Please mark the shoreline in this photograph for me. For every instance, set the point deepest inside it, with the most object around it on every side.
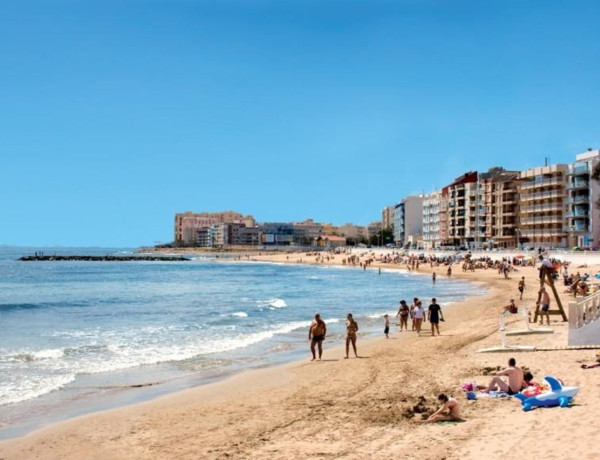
(272, 411)
(92, 393)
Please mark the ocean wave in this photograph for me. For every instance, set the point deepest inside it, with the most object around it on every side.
(24, 389)
(240, 314)
(272, 304)
(19, 306)
(34, 306)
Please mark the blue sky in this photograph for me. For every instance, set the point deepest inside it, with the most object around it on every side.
(117, 114)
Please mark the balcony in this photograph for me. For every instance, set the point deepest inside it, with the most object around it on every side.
(542, 220)
(542, 183)
(542, 208)
(580, 170)
(577, 213)
(577, 226)
(579, 199)
(578, 184)
(543, 233)
(543, 195)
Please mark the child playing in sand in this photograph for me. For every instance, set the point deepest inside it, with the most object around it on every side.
(449, 412)
(386, 329)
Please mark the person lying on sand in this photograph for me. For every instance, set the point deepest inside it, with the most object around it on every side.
(449, 412)
(592, 365)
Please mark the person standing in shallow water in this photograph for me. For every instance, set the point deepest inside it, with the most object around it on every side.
(351, 329)
(316, 335)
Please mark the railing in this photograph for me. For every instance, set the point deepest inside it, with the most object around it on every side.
(581, 169)
(579, 199)
(543, 220)
(578, 184)
(539, 183)
(577, 214)
(542, 195)
(584, 311)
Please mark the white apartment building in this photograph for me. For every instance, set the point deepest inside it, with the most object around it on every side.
(408, 220)
(583, 216)
(431, 220)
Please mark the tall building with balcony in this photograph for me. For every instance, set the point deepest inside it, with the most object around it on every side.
(188, 223)
(387, 217)
(501, 202)
(305, 232)
(583, 217)
(431, 220)
(408, 220)
(543, 205)
(466, 211)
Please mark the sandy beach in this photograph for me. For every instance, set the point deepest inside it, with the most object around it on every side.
(358, 408)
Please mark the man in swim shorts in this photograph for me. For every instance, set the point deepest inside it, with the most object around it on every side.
(515, 379)
(316, 335)
(545, 305)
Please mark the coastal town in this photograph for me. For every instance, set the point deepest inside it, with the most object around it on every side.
(551, 206)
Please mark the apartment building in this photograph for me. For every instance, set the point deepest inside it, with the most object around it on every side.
(387, 217)
(583, 216)
(188, 223)
(466, 211)
(276, 233)
(305, 232)
(408, 220)
(373, 229)
(230, 234)
(501, 205)
(543, 205)
(431, 220)
(355, 232)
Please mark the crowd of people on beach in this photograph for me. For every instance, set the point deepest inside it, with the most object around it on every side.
(416, 312)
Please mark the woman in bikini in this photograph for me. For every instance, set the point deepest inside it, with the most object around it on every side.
(403, 312)
(351, 328)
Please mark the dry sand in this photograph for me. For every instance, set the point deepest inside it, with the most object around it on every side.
(357, 408)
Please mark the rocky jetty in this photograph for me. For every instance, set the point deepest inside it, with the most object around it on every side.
(106, 258)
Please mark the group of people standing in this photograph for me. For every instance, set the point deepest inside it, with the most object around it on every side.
(416, 312)
(318, 331)
(318, 328)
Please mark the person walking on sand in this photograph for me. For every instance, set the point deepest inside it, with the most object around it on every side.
(449, 412)
(403, 313)
(435, 314)
(419, 316)
(521, 287)
(316, 335)
(545, 305)
(515, 379)
(351, 329)
(412, 313)
(386, 326)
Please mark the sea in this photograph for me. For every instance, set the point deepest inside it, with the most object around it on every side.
(80, 337)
